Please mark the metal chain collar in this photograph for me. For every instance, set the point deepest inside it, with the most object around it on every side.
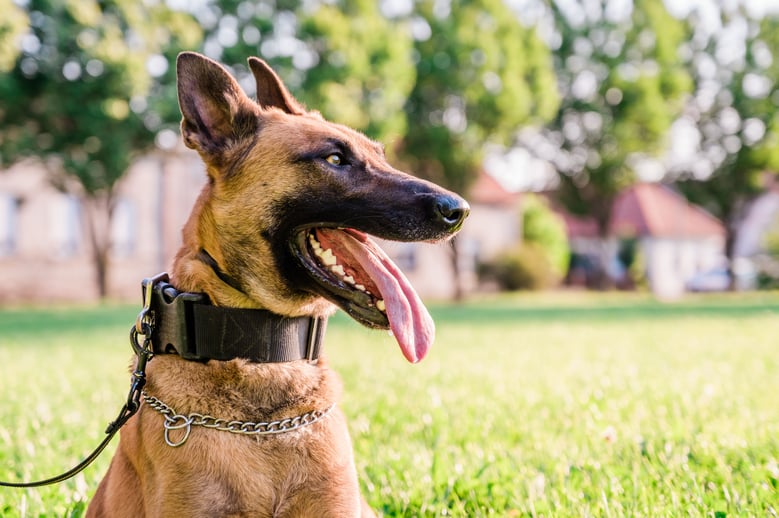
(177, 422)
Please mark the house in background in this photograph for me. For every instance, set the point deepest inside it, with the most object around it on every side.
(45, 246)
(761, 218)
(45, 250)
(676, 239)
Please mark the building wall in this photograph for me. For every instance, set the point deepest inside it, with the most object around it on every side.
(46, 255)
(672, 263)
(45, 252)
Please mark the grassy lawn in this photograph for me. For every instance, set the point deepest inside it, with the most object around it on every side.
(528, 405)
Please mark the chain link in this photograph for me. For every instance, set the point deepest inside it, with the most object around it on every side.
(175, 422)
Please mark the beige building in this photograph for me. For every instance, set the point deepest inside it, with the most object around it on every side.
(678, 240)
(45, 245)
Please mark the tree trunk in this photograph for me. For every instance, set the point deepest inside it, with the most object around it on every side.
(603, 280)
(98, 214)
(459, 294)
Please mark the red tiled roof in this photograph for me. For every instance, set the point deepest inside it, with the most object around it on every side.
(656, 210)
(488, 191)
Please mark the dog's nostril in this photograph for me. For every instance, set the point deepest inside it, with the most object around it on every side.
(452, 211)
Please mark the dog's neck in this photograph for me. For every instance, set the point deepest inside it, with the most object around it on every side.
(205, 257)
(196, 270)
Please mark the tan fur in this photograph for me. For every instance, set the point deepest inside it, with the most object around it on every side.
(249, 149)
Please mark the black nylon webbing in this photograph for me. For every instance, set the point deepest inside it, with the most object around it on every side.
(188, 325)
(227, 333)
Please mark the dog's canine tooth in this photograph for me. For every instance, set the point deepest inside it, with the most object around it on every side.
(380, 305)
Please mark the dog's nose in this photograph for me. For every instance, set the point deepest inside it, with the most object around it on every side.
(452, 211)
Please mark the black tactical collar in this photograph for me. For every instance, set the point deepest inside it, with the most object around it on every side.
(187, 324)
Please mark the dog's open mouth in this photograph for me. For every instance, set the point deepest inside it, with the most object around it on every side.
(354, 273)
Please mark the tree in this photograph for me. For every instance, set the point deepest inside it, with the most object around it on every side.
(732, 117)
(481, 75)
(622, 85)
(342, 58)
(77, 97)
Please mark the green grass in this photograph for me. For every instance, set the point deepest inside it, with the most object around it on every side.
(529, 405)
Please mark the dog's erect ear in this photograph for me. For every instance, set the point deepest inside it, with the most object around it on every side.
(271, 91)
(215, 109)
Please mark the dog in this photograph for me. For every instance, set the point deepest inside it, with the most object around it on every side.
(281, 226)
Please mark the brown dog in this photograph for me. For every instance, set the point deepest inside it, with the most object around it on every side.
(282, 226)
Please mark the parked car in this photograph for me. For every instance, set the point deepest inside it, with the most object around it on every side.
(717, 279)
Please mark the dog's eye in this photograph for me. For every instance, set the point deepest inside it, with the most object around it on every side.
(336, 159)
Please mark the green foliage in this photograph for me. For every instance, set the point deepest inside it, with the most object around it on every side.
(767, 263)
(365, 70)
(343, 58)
(76, 96)
(623, 85)
(13, 23)
(480, 75)
(632, 257)
(544, 228)
(541, 260)
(556, 404)
(736, 118)
(523, 267)
(771, 239)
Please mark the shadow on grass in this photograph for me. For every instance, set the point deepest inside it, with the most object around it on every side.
(66, 319)
(500, 309)
(646, 309)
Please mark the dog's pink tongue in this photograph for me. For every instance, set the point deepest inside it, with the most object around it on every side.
(409, 319)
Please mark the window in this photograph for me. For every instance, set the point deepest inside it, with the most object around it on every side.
(9, 208)
(123, 228)
(65, 226)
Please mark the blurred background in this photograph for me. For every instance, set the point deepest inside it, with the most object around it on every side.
(603, 144)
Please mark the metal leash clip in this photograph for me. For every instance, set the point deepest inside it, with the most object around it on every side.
(144, 326)
(146, 316)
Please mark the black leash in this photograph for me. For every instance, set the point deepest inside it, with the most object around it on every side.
(143, 351)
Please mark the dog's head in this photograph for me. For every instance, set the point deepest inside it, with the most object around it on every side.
(292, 198)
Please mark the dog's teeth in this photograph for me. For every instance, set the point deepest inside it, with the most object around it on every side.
(349, 279)
(360, 287)
(380, 305)
(338, 270)
(314, 243)
(328, 259)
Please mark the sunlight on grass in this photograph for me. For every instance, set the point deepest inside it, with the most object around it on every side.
(526, 406)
